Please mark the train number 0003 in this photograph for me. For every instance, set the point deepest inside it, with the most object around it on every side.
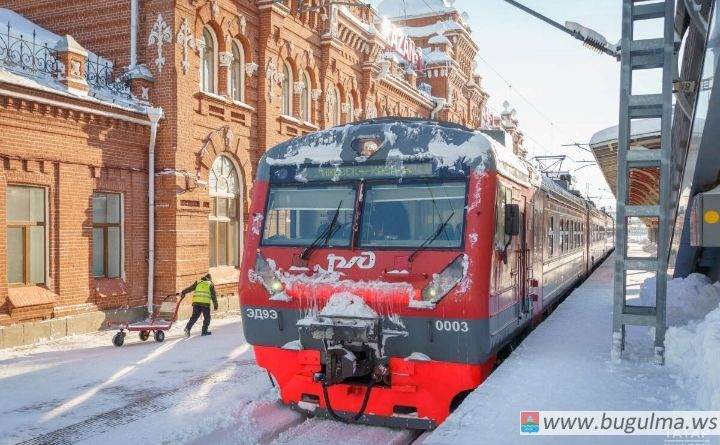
(262, 314)
(451, 326)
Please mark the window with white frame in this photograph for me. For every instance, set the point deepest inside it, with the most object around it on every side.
(107, 235)
(287, 82)
(305, 112)
(26, 235)
(209, 62)
(237, 72)
(225, 214)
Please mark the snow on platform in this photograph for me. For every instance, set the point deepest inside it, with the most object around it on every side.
(83, 390)
(565, 365)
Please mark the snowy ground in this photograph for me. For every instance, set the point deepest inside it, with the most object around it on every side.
(83, 390)
(565, 365)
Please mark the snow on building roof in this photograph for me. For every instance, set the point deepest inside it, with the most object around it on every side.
(22, 27)
(433, 56)
(51, 85)
(401, 9)
(436, 28)
(642, 128)
(34, 72)
(345, 11)
(395, 56)
(438, 39)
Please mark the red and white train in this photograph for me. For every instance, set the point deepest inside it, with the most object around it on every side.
(390, 262)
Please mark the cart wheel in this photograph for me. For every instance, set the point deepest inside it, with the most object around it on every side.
(118, 339)
(144, 335)
(159, 336)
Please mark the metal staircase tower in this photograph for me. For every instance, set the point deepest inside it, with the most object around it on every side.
(644, 54)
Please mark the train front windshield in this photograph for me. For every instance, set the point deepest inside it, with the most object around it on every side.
(413, 215)
(394, 215)
(297, 216)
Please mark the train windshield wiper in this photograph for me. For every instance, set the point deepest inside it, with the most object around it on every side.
(325, 235)
(432, 237)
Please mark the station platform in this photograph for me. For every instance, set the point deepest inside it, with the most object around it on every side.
(565, 365)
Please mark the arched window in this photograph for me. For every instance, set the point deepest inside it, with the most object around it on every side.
(237, 73)
(287, 82)
(209, 57)
(225, 214)
(305, 111)
(371, 111)
(351, 108)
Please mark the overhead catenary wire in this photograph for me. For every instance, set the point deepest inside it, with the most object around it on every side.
(510, 86)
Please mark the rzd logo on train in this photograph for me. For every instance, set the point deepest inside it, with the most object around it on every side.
(366, 260)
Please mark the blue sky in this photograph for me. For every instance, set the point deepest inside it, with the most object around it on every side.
(572, 91)
(562, 91)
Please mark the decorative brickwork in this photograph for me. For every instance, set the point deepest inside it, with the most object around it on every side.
(298, 70)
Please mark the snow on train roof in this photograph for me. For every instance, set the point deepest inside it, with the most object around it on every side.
(403, 140)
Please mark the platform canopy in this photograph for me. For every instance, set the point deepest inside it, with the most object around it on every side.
(644, 181)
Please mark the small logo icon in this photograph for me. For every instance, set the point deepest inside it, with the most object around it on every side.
(529, 421)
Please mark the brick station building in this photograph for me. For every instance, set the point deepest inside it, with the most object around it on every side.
(233, 78)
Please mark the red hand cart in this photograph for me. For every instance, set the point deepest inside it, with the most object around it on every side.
(162, 319)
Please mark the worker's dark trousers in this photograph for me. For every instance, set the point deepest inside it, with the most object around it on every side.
(197, 309)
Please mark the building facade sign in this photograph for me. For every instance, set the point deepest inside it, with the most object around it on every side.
(399, 42)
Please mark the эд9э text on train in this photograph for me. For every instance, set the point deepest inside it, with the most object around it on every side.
(389, 263)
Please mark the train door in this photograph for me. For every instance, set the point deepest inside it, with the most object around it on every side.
(505, 266)
(524, 266)
(536, 255)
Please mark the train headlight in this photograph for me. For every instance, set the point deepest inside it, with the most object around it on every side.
(267, 276)
(276, 286)
(431, 291)
(443, 282)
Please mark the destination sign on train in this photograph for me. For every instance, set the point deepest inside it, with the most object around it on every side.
(367, 171)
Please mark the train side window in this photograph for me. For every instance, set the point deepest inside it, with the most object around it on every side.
(578, 235)
(568, 239)
(551, 237)
(574, 235)
(562, 235)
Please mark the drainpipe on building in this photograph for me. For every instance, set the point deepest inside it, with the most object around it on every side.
(439, 105)
(154, 114)
(133, 32)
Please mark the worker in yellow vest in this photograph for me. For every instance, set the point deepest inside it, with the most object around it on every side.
(203, 294)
